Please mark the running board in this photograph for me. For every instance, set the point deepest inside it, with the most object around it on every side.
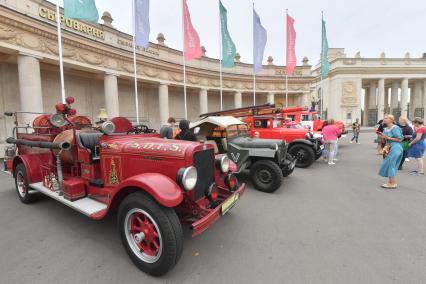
(86, 206)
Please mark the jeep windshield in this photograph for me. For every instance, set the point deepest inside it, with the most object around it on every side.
(237, 130)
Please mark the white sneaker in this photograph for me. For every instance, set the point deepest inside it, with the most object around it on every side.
(407, 160)
(358, 143)
(331, 163)
(351, 142)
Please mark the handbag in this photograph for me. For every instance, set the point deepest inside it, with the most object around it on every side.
(386, 150)
(405, 145)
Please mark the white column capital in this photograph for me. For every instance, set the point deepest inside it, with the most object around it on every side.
(30, 55)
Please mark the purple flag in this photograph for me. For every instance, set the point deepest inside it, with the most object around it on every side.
(259, 42)
(142, 27)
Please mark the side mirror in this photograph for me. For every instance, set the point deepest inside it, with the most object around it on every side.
(7, 113)
(197, 130)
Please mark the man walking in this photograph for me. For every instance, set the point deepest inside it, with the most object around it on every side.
(356, 128)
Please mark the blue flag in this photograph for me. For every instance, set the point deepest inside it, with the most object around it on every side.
(142, 26)
(82, 10)
(325, 66)
(259, 42)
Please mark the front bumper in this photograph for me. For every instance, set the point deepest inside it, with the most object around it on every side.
(202, 224)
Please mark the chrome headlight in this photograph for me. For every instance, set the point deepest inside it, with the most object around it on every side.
(223, 164)
(187, 177)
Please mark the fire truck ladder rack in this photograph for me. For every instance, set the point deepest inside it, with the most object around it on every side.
(246, 111)
(86, 206)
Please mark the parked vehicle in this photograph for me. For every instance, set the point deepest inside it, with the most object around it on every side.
(267, 159)
(156, 184)
(302, 144)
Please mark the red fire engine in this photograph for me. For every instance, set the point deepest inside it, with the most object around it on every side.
(155, 184)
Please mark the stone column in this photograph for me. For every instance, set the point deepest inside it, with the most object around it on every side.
(381, 99)
(238, 100)
(30, 87)
(203, 101)
(394, 95)
(372, 95)
(111, 95)
(163, 99)
(416, 98)
(424, 100)
(387, 91)
(305, 100)
(271, 98)
(404, 97)
(366, 101)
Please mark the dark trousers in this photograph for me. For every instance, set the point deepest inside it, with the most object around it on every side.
(404, 156)
(356, 136)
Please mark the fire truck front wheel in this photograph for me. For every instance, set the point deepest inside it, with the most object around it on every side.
(21, 183)
(151, 234)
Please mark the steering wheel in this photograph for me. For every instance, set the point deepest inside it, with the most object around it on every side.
(138, 129)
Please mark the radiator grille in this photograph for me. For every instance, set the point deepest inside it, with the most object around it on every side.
(204, 163)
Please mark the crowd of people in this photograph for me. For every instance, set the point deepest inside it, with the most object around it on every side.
(167, 131)
(398, 142)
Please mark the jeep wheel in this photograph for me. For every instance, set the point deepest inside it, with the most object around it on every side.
(151, 234)
(21, 183)
(287, 169)
(266, 176)
(303, 154)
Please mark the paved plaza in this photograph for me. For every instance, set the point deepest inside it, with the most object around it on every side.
(326, 225)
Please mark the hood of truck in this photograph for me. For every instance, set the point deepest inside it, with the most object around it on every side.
(247, 142)
(138, 144)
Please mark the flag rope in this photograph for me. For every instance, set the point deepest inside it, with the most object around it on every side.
(134, 63)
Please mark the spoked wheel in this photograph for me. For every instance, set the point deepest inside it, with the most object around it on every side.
(266, 176)
(21, 183)
(151, 234)
(143, 235)
(303, 154)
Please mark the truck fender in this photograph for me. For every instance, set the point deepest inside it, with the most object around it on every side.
(32, 164)
(162, 188)
(300, 141)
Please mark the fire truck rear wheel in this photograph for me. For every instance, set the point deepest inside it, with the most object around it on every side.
(151, 234)
(21, 183)
(303, 154)
(266, 176)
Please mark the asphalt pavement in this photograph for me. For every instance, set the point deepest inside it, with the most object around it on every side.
(327, 224)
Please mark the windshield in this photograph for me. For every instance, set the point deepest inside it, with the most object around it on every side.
(296, 126)
(237, 130)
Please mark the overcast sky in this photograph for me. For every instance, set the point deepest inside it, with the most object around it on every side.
(368, 26)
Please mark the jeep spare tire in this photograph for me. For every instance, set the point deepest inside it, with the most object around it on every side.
(266, 176)
(151, 234)
(287, 169)
(303, 154)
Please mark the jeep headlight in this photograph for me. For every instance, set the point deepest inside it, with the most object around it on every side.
(187, 177)
(223, 163)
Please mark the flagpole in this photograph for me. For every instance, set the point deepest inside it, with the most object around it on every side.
(221, 58)
(322, 58)
(61, 60)
(184, 63)
(134, 63)
(254, 72)
(286, 75)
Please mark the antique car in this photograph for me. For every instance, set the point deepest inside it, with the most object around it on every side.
(308, 118)
(267, 159)
(302, 144)
(157, 185)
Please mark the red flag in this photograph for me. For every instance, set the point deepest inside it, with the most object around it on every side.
(192, 48)
(291, 46)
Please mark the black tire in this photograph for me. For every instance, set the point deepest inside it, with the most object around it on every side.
(21, 178)
(286, 171)
(303, 154)
(266, 176)
(170, 234)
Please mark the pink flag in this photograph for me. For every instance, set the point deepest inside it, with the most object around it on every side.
(291, 46)
(192, 48)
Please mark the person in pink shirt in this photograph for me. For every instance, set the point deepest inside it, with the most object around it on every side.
(331, 135)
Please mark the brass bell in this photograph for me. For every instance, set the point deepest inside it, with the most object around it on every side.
(103, 115)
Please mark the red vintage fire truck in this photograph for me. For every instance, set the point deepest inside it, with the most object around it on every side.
(156, 184)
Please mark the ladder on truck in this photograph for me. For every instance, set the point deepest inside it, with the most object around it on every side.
(246, 111)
